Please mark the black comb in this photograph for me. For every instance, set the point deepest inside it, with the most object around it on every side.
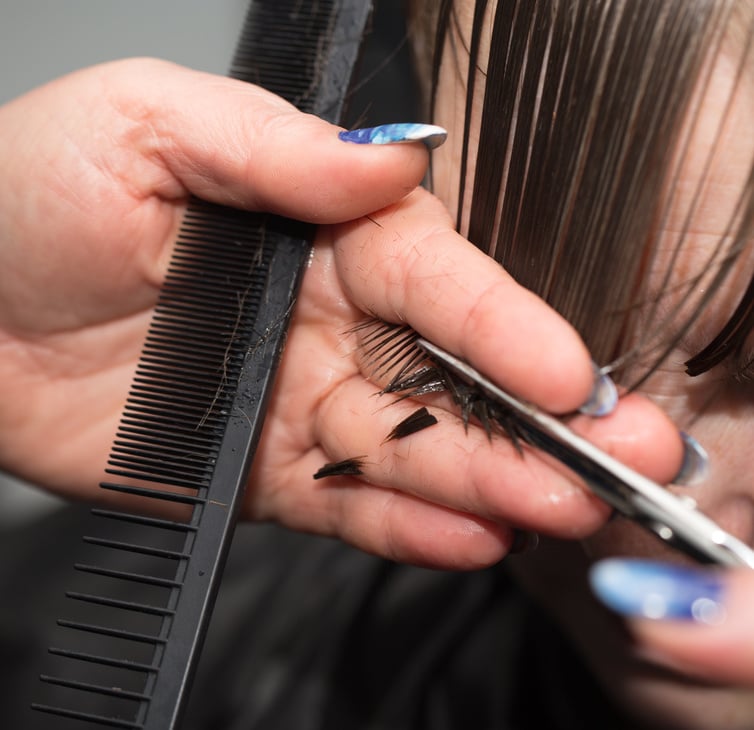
(196, 407)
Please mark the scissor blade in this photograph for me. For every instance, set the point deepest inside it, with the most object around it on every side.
(638, 498)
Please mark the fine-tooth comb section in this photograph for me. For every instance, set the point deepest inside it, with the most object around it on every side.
(142, 595)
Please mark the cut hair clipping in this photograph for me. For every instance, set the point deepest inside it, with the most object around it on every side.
(417, 421)
(392, 352)
(352, 467)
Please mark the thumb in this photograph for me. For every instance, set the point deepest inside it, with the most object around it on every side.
(234, 143)
(697, 621)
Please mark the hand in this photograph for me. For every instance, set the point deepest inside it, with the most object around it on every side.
(693, 621)
(97, 170)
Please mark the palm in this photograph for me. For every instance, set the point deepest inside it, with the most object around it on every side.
(86, 274)
(81, 267)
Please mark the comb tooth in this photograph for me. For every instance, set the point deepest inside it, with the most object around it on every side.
(176, 391)
(181, 346)
(143, 520)
(118, 603)
(137, 403)
(104, 661)
(184, 465)
(189, 264)
(137, 431)
(202, 434)
(196, 433)
(204, 367)
(199, 475)
(186, 349)
(95, 688)
(222, 331)
(149, 430)
(186, 462)
(196, 415)
(216, 261)
(133, 548)
(88, 717)
(205, 297)
(155, 493)
(177, 333)
(176, 415)
(176, 322)
(231, 270)
(154, 375)
(210, 277)
(108, 631)
(189, 309)
(169, 454)
(127, 576)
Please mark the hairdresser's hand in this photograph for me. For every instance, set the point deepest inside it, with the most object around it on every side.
(691, 620)
(96, 171)
(441, 496)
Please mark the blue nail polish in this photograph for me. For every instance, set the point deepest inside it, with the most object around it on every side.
(695, 466)
(645, 589)
(604, 396)
(431, 135)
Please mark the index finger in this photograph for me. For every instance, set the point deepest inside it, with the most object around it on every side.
(407, 264)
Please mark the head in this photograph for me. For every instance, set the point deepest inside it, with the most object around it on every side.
(602, 151)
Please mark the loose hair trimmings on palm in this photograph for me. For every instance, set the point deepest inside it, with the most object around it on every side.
(392, 352)
(395, 351)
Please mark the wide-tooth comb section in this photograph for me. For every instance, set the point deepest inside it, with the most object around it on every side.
(88, 717)
(193, 415)
(89, 687)
(125, 575)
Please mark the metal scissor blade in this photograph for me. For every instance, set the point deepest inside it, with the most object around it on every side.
(675, 520)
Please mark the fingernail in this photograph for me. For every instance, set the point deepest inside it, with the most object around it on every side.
(695, 466)
(645, 589)
(431, 135)
(604, 396)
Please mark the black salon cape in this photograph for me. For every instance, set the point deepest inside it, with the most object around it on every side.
(309, 634)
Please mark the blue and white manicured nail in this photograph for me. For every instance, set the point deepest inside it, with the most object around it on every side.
(650, 590)
(695, 466)
(431, 135)
(604, 396)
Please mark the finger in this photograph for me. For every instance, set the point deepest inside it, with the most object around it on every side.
(389, 523)
(694, 621)
(407, 264)
(467, 472)
(234, 143)
(639, 434)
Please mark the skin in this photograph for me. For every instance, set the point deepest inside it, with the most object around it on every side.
(667, 674)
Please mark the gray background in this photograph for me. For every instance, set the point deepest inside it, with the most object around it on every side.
(42, 39)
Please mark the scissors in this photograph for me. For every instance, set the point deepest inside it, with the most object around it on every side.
(676, 520)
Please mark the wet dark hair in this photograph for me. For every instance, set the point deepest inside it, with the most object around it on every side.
(585, 114)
